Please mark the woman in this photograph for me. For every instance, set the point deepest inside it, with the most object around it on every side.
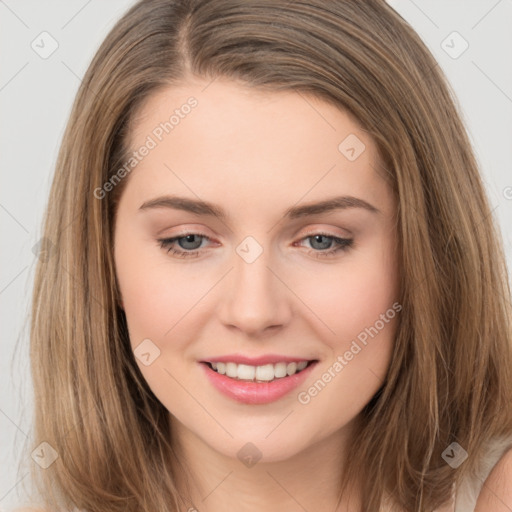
(338, 334)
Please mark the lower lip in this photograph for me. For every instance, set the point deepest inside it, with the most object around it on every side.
(254, 393)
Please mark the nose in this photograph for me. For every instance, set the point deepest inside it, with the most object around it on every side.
(255, 298)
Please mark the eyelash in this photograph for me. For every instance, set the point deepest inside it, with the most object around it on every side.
(342, 244)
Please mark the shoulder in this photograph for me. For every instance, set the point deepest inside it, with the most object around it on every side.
(496, 492)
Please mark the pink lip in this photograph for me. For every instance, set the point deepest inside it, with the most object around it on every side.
(254, 393)
(254, 361)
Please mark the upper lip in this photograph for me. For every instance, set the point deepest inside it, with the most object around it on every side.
(255, 361)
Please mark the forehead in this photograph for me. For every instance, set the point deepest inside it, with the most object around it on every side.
(222, 139)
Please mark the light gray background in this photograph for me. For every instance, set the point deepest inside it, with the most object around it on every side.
(36, 96)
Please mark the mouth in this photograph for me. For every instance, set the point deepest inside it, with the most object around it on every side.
(255, 385)
(262, 373)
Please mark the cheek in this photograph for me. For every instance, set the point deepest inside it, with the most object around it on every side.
(357, 300)
(350, 296)
(156, 295)
(361, 308)
(157, 300)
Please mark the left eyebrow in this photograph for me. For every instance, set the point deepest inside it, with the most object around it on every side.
(200, 207)
(328, 205)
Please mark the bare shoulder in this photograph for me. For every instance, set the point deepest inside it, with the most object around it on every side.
(496, 493)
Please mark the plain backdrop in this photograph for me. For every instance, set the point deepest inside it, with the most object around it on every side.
(471, 40)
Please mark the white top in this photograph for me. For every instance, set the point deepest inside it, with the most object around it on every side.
(468, 491)
(466, 495)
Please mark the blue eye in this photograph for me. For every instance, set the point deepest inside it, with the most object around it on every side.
(187, 245)
(334, 244)
(169, 244)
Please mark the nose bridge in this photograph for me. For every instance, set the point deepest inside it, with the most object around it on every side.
(256, 298)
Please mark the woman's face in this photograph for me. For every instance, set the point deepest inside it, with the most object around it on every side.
(283, 252)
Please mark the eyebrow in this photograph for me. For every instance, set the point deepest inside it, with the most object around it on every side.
(200, 207)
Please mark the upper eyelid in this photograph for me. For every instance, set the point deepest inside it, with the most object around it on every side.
(309, 234)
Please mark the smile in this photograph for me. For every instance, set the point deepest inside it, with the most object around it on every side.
(264, 373)
(255, 385)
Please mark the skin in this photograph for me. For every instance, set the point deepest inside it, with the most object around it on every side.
(256, 154)
(496, 493)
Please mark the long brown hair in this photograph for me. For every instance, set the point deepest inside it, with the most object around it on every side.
(450, 375)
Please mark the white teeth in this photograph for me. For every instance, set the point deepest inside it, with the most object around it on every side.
(245, 372)
(280, 370)
(231, 369)
(264, 373)
(291, 368)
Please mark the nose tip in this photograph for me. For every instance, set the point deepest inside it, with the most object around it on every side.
(254, 299)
